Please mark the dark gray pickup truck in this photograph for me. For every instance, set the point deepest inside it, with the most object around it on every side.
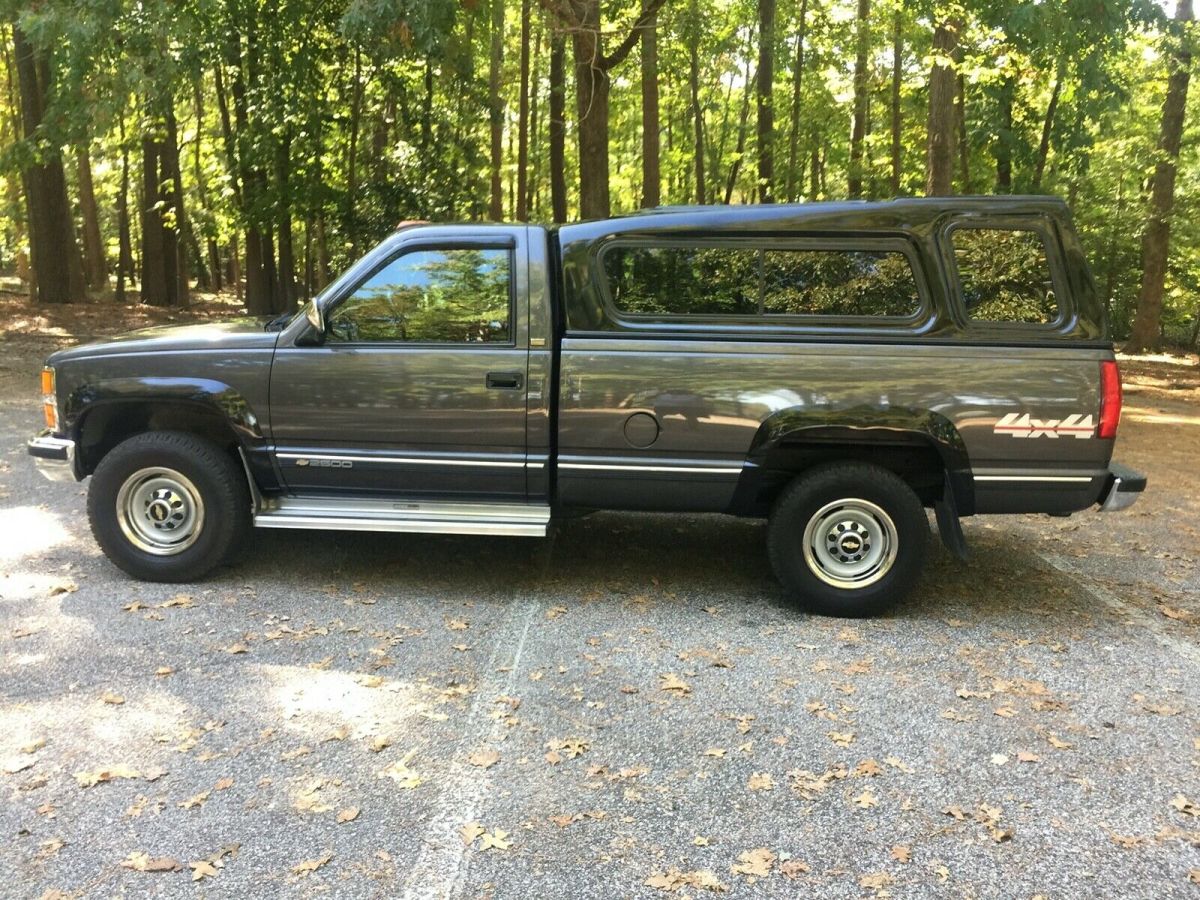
(836, 368)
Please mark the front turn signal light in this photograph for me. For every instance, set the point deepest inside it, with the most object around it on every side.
(49, 399)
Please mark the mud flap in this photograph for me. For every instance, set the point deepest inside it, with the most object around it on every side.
(949, 526)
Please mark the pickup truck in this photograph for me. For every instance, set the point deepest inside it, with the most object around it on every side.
(838, 369)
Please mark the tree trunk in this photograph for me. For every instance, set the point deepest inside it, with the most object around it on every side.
(764, 96)
(523, 121)
(558, 176)
(897, 73)
(95, 267)
(731, 181)
(1004, 139)
(124, 239)
(173, 178)
(960, 129)
(795, 177)
(351, 176)
(939, 165)
(1156, 240)
(1047, 129)
(496, 109)
(591, 96)
(859, 130)
(153, 278)
(535, 135)
(697, 109)
(56, 267)
(651, 174)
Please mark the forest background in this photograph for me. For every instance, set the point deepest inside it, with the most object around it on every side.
(152, 150)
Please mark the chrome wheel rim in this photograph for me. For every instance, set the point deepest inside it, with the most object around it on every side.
(850, 543)
(160, 511)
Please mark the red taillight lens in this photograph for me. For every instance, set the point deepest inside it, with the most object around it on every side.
(1110, 399)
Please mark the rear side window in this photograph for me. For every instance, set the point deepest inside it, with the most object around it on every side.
(1004, 275)
(748, 282)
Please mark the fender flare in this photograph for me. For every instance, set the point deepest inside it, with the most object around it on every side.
(888, 426)
(212, 395)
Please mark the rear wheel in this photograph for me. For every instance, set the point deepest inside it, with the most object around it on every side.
(168, 506)
(848, 539)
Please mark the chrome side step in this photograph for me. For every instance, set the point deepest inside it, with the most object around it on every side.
(518, 519)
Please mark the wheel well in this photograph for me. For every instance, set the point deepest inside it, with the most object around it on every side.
(919, 464)
(109, 424)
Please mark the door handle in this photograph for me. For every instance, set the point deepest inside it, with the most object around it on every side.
(509, 380)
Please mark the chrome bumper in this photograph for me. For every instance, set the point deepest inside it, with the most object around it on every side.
(54, 456)
(1123, 488)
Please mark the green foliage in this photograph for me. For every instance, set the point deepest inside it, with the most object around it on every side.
(333, 120)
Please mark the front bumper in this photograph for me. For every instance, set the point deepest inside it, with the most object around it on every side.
(55, 456)
(1123, 488)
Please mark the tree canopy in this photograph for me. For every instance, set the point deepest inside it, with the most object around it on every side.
(259, 147)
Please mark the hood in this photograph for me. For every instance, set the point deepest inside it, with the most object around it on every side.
(242, 333)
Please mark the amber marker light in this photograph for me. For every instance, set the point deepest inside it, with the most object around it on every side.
(49, 399)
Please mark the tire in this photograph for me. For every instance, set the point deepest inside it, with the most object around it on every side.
(168, 506)
(848, 539)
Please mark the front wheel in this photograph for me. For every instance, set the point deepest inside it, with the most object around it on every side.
(168, 506)
(848, 539)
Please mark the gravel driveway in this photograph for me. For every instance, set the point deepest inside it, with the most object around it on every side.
(626, 709)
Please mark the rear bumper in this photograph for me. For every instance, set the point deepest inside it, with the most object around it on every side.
(1123, 488)
(54, 456)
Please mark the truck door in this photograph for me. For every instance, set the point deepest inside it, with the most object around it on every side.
(419, 386)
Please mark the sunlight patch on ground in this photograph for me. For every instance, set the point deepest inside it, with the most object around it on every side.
(26, 530)
(1157, 417)
(318, 701)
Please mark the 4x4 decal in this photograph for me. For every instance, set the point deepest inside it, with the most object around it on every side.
(1022, 425)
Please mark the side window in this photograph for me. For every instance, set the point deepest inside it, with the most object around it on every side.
(839, 283)
(431, 296)
(748, 282)
(1004, 275)
(683, 281)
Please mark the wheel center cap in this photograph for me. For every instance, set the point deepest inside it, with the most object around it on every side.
(159, 510)
(850, 543)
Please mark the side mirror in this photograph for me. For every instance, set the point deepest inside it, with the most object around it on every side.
(315, 318)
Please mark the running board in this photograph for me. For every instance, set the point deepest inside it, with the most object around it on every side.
(517, 519)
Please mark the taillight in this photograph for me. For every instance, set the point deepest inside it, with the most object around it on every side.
(49, 399)
(1110, 399)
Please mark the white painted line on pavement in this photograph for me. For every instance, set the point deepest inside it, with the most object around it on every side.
(441, 866)
(1183, 647)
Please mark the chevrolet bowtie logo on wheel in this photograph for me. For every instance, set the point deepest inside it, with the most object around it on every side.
(1022, 425)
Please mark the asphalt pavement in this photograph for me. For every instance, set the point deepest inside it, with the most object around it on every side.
(628, 708)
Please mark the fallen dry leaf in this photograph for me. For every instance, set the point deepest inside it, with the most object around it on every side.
(669, 681)
(755, 862)
(484, 759)
(193, 802)
(18, 764)
(1059, 743)
(876, 881)
(844, 738)
(1185, 806)
(112, 699)
(34, 746)
(379, 744)
(457, 625)
(311, 865)
(470, 831)
(237, 648)
(1026, 757)
(494, 840)
(349, 814)
(88, 779)
(202, 869)
(794, 868)
(866, 800)
(400, 773)
(144, 862)
(675, 880)
(760, 781)
(901, 854)
(164, 671)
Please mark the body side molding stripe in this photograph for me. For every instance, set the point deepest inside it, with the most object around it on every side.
(407, 460)
(1074, 479)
